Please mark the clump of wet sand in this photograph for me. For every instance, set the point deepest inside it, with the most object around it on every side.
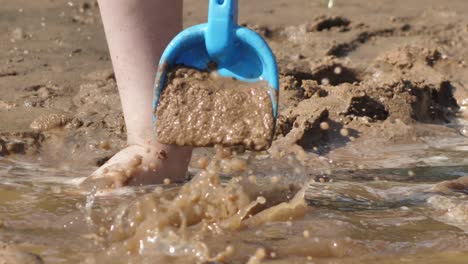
(398, 100)
(200, 109)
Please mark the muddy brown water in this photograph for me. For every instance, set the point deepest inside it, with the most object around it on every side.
(389, 216)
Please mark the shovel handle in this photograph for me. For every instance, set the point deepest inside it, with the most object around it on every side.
(221, 31)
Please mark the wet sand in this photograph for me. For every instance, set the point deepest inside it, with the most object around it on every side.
(372, 109)
(378, 79)
(201, 109)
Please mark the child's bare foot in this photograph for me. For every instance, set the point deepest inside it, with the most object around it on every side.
(138, 165)
(136, 41)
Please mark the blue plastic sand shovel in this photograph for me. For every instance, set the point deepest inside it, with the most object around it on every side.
(238, 52)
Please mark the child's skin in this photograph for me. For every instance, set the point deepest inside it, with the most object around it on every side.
(137, 32)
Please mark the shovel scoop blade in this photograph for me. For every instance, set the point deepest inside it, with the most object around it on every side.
(223, 46)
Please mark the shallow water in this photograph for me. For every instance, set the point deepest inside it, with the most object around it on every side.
(362, 216)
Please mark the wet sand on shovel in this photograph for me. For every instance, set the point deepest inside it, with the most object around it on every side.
(202, 109)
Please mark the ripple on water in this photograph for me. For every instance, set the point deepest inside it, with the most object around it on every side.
(367, 216)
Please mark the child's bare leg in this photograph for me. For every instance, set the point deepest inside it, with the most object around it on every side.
(137, 32)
